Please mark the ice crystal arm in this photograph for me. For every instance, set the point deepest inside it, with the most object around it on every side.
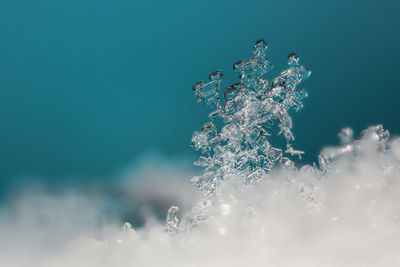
(208, 93)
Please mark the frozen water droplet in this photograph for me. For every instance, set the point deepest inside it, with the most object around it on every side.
(260, 45)
(216, 75)
(198, 86)
(293, 60)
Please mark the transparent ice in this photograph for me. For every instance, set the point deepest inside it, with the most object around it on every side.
(250, 109)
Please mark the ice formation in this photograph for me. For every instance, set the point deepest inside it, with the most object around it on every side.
(250, 109)
(350, 149)
(239, 156)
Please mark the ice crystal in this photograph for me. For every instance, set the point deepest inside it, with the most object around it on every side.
(172, 219)
(239, 154)
(374, 135)
(250, 109)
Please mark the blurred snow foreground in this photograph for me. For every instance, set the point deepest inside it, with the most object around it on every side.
(257, 208)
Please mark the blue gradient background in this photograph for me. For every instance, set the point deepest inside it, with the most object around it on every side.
(87, 87)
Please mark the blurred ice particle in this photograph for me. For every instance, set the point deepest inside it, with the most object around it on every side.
(172, 219)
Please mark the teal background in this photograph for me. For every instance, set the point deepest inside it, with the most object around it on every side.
(87, 87)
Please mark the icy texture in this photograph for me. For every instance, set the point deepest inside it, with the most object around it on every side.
(172, 219)
(373, 135)
(250, 110)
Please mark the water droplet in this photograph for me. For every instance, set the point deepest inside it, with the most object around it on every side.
(293, 60)
(198, 86)
(260, 45)
(216, 75)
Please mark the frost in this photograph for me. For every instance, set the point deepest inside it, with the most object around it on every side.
(250, 110)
